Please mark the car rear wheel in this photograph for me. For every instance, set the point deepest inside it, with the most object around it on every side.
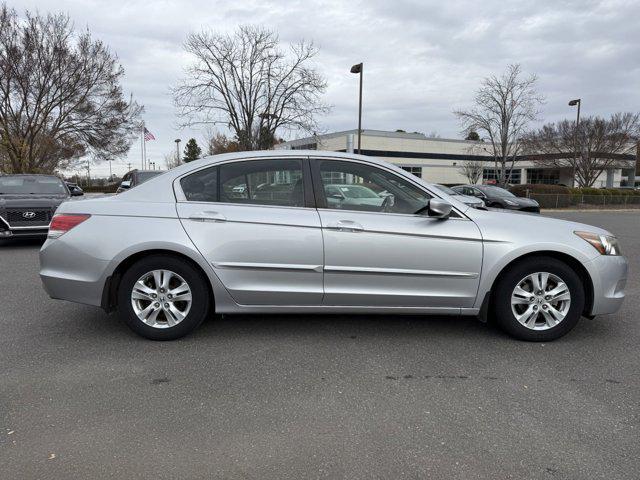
(539, 299)
(163, 298)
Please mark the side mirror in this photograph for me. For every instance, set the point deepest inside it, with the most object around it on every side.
(439, 208)
(125, 184)
(336, 196)
(76, 192)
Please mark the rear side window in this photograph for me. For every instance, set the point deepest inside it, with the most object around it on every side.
(201, 186)
(262, 182)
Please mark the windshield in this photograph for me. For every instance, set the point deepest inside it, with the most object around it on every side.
(496, 191)
(447, 190)
(144, 176)
(32, 185)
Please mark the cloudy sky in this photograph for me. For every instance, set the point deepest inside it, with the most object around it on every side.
(422, 58)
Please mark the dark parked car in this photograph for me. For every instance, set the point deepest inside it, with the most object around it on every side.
(496, 197)
(74, 189)
(28, 202)
(136, 177)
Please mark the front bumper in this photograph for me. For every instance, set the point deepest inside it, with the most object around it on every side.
(30, 233)
(8, 231)
(524, 208)
(609, 277)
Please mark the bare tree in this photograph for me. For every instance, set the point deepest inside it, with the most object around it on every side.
(246, 82)
(60, 95)
(472, 169)
(172, 160)
(590, 148)
(504, 107)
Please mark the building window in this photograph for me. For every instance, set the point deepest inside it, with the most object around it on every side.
(306, 146)
(490, 175)
(549, 176)
(417, 171)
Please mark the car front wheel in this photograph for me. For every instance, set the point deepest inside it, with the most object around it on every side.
(163, 297)
(539, 299)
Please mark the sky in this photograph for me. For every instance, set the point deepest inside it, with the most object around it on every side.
(422, 59)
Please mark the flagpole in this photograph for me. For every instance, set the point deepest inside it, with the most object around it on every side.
(142, 146)
(144, 149)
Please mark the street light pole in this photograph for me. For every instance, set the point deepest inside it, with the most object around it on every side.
(573, 103)
(177, 140)
(358, 69)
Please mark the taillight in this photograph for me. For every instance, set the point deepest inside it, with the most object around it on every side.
(63, 222)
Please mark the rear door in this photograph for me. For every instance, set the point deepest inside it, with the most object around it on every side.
(255, 223)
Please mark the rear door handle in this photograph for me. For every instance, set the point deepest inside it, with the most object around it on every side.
(208, 216)
(346, 226)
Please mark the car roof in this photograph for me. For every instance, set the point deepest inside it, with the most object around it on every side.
(214, 159)
(151, 187)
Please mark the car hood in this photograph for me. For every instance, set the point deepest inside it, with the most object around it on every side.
(468, 199)
(31, 201)
(507, 226)
(521, 201)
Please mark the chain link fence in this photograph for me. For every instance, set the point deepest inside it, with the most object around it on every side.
(577, 200)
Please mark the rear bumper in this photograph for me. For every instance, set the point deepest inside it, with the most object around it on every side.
(609, 277)
(72, 274)
(73, 290)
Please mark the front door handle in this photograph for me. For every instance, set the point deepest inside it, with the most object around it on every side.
(346, 226)
(208, 216)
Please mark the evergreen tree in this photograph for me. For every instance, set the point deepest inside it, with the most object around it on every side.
(191, 151)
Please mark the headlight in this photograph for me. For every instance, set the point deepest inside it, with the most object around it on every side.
(510, 202)
(605, 244)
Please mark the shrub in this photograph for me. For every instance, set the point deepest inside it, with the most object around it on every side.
(101, 189)
(533, 188)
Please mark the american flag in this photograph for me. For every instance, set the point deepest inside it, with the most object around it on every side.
(148, 135)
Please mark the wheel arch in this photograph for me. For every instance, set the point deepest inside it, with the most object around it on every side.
(110, 291)
(574, 263)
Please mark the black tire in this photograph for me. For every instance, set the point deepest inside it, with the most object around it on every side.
(199, 292)
(503, 289)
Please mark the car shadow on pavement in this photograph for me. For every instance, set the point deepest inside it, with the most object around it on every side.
(93, 321)
(337, 326)
(84, 323)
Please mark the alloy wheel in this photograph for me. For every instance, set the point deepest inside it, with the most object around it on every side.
(161, 298)
(540, 301)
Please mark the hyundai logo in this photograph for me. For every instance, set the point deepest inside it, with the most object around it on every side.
(29, 214)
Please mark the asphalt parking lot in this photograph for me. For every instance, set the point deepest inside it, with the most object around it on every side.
(314, 397)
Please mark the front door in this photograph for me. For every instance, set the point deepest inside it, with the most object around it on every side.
(379, 253)
(254, 222)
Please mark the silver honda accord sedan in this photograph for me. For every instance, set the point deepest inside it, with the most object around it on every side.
(258, 232)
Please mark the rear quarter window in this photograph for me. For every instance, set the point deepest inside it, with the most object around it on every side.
(201, 186)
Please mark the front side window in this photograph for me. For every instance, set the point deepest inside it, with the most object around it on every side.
(355, 186)
(262, 182)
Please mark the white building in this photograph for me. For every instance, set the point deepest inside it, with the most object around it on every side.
(438, 160)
